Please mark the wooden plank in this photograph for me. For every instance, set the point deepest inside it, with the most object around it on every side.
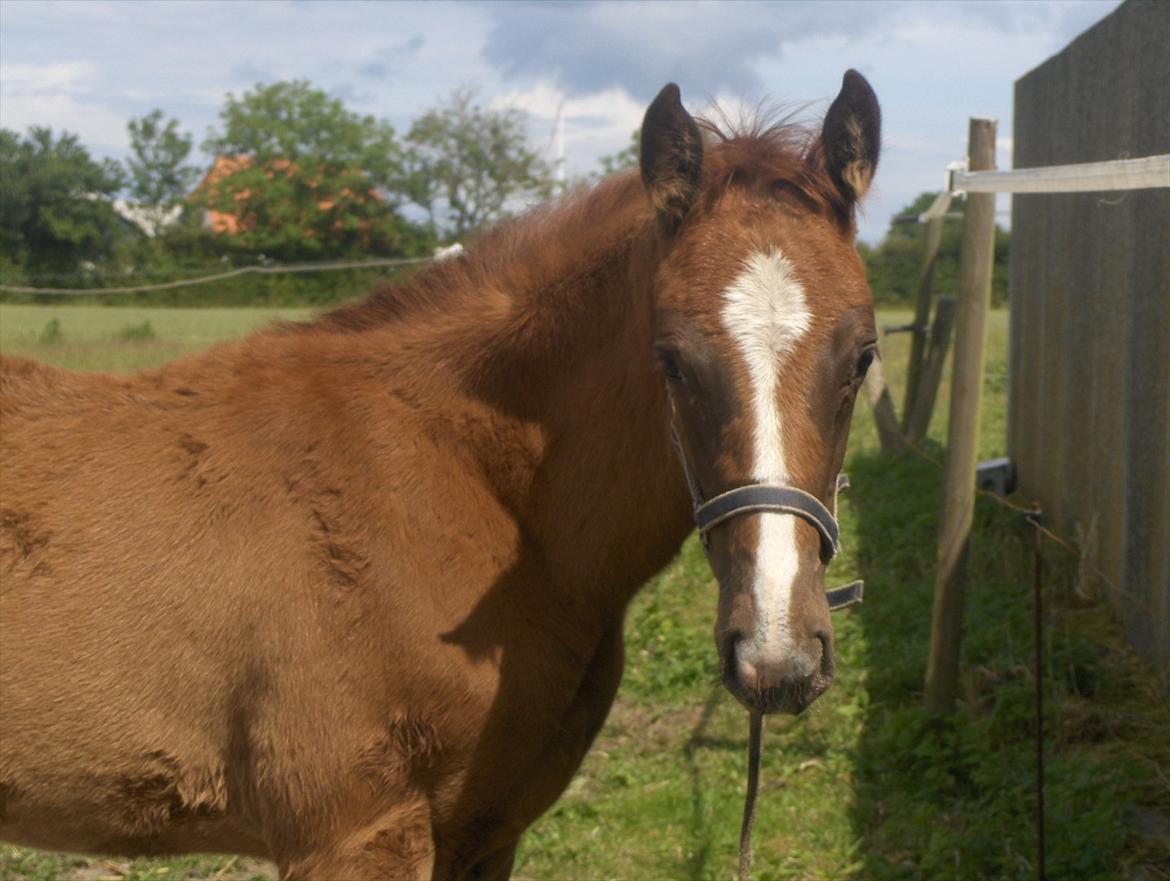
(975, 267)
(1089, 406)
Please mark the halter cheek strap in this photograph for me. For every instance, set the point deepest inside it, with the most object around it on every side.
(757, 497)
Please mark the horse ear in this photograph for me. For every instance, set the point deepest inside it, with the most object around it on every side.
(851, 137)
(672, 157)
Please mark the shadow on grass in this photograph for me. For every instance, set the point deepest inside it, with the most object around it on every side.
(954, 798)
(922, 801)
(698, 825)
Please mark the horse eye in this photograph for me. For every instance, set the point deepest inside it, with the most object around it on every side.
(669, 365)
(863, 365)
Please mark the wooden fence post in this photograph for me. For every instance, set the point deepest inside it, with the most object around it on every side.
(918, 419)
(975, 266)
(921, 319)
(883, 409)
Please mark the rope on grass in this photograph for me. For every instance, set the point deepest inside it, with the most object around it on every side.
(1038, 648)
(755, 750)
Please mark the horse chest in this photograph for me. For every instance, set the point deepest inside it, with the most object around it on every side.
(526, 770)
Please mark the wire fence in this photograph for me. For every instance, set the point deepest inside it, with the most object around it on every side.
(275, 269)
(1031, 510)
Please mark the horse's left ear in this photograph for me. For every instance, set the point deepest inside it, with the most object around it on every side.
(851, 137)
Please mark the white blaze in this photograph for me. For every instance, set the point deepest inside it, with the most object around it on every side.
(766, 314)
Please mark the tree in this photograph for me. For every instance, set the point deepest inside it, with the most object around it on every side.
(55, 210)
(158, 177)
(628, 157)
(302, 176)
(895, 264)
(467, 163)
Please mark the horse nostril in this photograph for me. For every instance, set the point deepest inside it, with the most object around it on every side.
(728, 650)
(826, 652)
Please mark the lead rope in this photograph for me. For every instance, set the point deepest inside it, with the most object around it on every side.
(755, 749)
(755, 720)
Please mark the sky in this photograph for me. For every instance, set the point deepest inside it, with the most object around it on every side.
(89, 67)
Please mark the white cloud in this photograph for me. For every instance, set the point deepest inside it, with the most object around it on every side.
(1003, 152)
(41, 79)
(97, 126)
(59, 95)
(89, 67)
(595, 124)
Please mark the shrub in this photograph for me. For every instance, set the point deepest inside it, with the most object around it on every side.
(51, 333)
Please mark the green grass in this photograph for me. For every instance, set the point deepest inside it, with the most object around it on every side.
(123, 338)
(862, 786)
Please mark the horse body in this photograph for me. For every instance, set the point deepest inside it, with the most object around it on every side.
(349, 595)
(263, 546)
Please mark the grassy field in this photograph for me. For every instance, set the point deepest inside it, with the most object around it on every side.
(863, 785)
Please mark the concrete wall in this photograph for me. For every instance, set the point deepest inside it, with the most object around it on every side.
(1089, 405)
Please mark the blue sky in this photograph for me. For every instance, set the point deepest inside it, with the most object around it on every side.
(88, 67)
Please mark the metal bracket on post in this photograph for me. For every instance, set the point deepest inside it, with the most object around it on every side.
(996, 476)
(962, 166)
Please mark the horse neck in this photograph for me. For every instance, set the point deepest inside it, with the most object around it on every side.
(599, 487)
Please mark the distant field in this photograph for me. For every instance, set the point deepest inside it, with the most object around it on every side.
(103, 337)
(863, 786)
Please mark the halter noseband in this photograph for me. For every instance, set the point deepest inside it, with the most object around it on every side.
(765, 497)
(756, 497)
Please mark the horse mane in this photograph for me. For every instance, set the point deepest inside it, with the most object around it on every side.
(763, 152)
(507, 256)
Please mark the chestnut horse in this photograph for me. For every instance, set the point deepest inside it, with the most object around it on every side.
(348, 595)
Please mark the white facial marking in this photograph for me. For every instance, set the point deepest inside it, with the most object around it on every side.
(766, 314)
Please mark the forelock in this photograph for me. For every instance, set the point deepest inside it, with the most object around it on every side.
(765, 150)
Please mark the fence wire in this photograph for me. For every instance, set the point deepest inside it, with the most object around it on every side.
(290, 268)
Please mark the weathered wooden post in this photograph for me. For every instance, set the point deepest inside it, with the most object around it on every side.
(975, 263)
(921, 318)
(918, 419)
(883, 409)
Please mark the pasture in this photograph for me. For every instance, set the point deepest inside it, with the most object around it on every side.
(864, 785)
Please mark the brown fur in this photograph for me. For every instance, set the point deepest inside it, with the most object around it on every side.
(349, 594)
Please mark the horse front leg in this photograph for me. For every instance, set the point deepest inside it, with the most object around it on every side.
(496, 866)
(397, 845)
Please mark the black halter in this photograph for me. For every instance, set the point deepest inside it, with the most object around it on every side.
(756, 497)
(782, 499)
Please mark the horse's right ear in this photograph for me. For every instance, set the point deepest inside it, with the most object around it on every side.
(672, 157)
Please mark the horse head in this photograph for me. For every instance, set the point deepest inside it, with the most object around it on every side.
(764, 330)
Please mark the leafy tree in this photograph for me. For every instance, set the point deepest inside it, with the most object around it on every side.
(302, 176)
(895, 264)
(627, 157)
(467, 163)
(55, 210)
(159, 177)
